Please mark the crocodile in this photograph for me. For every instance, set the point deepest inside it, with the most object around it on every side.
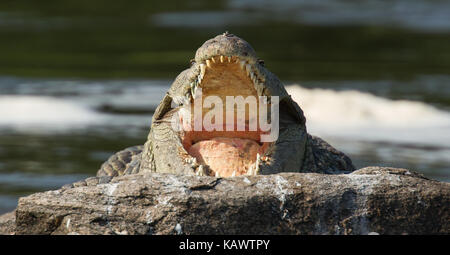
(225, 66)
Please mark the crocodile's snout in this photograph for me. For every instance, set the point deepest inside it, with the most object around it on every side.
(227, 45)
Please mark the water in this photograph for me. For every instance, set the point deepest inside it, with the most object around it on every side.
(79, 82)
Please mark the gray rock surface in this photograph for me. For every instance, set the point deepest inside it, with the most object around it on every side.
(370, 200)
(8, 223)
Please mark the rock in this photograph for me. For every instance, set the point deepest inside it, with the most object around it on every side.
(372, 200)
(8, 223)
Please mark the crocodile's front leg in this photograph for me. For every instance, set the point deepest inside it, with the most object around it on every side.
(126, 161)
(321, 157)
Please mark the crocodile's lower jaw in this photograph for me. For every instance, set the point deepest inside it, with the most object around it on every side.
(226, 153)
(227, 156)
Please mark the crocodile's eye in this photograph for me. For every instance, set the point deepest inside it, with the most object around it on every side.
(261, 62)
(191, 62)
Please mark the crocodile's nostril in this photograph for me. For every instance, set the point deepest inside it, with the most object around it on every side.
(227, 34)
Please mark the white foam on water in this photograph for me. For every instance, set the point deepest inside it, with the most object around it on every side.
(41, 112)
(351, 115)
(355, 115)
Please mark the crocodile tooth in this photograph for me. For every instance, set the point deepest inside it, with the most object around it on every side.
(229, 59)
(252, 76)
(233, 174)
(255, 81)
(200, 171)
(187, 98)
(261, 91)
(265, 100)
(242, 63)
(256, 85)
(202, 69)
(192, 88)
(217, 174)
(213, 59)
(250, 171)
(258, 160)
(222, 58)
(208, 63)
(248, 69)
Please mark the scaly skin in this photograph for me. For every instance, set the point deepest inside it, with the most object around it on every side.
(294, 150)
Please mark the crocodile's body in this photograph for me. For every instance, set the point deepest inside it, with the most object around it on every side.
(215, 69)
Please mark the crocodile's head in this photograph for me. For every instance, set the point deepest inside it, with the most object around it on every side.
(227, 66)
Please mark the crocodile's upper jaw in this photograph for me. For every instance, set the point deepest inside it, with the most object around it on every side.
(225, 153)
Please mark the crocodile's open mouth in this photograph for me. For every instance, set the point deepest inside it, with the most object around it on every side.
(229, 151)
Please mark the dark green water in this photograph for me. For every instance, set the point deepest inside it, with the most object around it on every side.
(100, 39)
(80, 50)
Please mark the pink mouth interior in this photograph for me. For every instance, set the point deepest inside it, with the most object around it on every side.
(227, 156)
(228, 153)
